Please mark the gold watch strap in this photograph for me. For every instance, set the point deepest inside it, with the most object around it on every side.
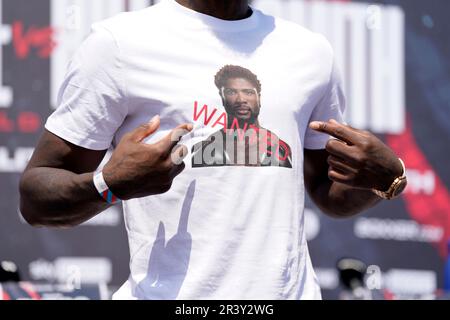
(389, 194)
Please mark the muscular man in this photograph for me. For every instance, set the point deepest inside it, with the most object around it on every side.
(242, 141)
(217, 232)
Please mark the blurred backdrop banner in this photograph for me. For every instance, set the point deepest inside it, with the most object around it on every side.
(394, 57)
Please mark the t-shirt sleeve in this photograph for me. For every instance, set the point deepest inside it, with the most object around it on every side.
(331, 106)
(91, 101)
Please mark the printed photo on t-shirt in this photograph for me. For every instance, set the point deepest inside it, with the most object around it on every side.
(242, 141)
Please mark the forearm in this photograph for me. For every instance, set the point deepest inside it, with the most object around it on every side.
(341, 201)
(58, 198)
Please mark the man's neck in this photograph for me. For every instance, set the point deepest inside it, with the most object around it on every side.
(221, 9)
(235, 123)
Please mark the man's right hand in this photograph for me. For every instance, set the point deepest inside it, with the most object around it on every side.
(137, 169)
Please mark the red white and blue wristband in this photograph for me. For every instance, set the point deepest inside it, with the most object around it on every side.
(103, 189)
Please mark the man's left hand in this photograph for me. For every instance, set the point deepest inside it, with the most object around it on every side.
(358, 158)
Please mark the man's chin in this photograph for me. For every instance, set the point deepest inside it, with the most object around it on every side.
(243, 118)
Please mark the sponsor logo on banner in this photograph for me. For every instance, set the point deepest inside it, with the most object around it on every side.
(397, 230)
(407, 283)
(411, 282)
(72, 271)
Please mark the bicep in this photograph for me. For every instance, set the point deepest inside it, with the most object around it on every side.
(55, 152)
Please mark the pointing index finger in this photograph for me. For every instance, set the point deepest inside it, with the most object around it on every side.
(172, 139)
(336, 130)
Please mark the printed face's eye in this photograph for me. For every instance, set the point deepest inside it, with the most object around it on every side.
(230, 92)
(249, 92)
(233, 92)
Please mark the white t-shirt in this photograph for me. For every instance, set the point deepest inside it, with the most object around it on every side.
(221, 232)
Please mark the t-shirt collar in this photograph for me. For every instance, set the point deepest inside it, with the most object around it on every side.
(201, 20)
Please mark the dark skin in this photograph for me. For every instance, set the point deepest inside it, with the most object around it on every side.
(57, 190)
(241, 102)
(225, 10)
(340, 178)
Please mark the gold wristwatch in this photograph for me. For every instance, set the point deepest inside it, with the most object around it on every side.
(396, 187)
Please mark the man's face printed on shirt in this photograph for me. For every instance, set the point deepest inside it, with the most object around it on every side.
(241, 100)
(242, 141)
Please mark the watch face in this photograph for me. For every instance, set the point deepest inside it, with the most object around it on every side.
(400, 188)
